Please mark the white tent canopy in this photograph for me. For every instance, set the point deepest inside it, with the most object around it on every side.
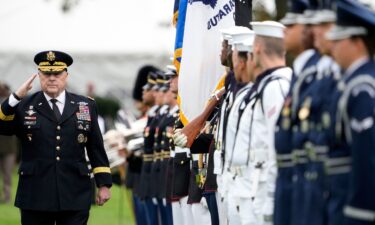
(108, 39)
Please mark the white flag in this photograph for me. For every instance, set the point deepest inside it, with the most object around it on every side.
(200, 68)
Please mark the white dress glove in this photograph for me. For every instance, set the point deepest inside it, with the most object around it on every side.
(179, 138)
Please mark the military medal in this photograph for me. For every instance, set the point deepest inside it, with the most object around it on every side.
(305, 111)
(286, 111)
(81, 138)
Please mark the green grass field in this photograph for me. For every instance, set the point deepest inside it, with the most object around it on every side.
(115, 212)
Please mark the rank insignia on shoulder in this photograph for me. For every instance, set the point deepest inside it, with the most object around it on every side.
(91, 98)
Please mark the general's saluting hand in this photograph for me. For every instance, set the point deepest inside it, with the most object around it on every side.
(25, 87)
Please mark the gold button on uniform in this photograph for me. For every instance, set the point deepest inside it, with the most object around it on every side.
(58, 148)
(57, 137)
(58, 158)
(58, 128)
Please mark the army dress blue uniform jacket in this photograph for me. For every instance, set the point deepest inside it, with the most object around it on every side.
(53, 173)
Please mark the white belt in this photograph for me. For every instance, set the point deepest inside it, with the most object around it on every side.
(238, 170)
(182, 150)
(195, 157)
(258, 155)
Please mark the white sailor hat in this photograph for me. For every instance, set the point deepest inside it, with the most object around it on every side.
(268, 28)
(228, 32)
(243, 40)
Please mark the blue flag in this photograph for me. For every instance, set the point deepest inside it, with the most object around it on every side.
(180, 27)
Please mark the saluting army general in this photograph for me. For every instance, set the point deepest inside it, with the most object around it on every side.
(55, 127)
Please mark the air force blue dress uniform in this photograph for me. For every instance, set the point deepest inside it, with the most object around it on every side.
(288, 141)
(351, 157)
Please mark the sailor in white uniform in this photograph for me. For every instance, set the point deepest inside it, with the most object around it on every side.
(250, 151)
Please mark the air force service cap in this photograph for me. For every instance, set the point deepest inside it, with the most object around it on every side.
(52, 61)
(297, 7)
(268, 29)
(326, 12)
(353, 19)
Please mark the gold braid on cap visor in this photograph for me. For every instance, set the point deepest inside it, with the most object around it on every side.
(151, 81)
(55, 67)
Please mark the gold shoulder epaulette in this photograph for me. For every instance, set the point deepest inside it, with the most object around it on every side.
(91, 98)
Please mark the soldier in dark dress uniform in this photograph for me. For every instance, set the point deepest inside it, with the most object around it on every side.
(55, 127)
(145, 190)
